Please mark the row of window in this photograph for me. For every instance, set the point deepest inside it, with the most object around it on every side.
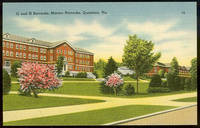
(65, 52)
(82, 68)
(82, 56)
(23, 47)
(23, 55)
(83, 62)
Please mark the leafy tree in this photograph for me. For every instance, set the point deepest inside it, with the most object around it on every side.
(174, 67)
(161, 73)
(138, 56)
(59, 64)
(110, 67)
(6, 82)
(193, 73)
(99, 67)
(14, 66)
(36, 78)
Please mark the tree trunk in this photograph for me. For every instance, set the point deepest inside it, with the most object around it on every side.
(35, 94)
(137, 83)
(115, 90)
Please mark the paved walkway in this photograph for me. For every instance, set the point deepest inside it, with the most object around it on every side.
(110, 102)
(186, 116)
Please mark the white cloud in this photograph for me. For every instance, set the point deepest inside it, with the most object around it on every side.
(36, 25)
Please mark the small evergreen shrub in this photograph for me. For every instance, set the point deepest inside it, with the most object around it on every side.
(170, 81)
(155, 81)
(105, 89)
(158, 90)
(67, 74)
(129, 89)
(95, 73)
(182, 83)
(6, 82)
(164, 84)
(14, 67)
(81, 75)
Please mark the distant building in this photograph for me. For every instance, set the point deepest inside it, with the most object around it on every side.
(34, 50)
(183, 71)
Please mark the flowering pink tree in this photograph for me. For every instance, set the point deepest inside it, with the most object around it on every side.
(114, 81)
(35, 77)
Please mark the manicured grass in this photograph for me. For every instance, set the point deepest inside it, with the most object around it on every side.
(92, 89)
(77, 79)
(14, 79)
(128, 78)
(17, 102)
(95, 117)
(190, 99)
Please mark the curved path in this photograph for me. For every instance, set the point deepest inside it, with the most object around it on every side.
(110, 102)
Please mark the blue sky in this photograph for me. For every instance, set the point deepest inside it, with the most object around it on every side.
(170, 25)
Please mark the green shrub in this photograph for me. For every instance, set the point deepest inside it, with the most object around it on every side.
(67, 74)
(177, 85)
(187, 84)
(164, 84)
(95, 73)
(165, 75)
(105, 89)
(6, 82)
(170, 81)
(129, 89)
(14, 66)
(155, 81)
(81, 75)
(158, 90)
(182, 83)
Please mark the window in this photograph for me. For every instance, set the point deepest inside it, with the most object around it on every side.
(36, 49)
(33, 57)
(75, 67)
(30, 48)
(21, 47)
(70, 66)
(44, 50)
(44, 57)
(58, 51)
(33, 49)
(41, 57)
(11, 45)
(17, 54)
(7, 53)
(36, 57)
(65, 52)
(76, 54)
(51, 50)
(24, 47)
(24, 55)
(3, 52)
(51, 58)
(29, 56)
(20, 55)
(7, 44)
(17, 46)
(11, 53)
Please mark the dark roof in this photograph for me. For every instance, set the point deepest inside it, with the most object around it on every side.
(33, 41)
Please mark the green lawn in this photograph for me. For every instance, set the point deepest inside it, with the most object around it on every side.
(14, 79)
(77, 79)
(190, 99)
(128, 78)
(92, 89)
(17, 102)
(95, 117)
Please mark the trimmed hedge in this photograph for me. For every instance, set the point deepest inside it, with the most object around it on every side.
(158, 89)
(6, 82)
(81, 75)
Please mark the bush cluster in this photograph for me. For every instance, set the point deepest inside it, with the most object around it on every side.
(6, 82)
(155, 81)
(129, 89)
(67, 74)
(81, 75)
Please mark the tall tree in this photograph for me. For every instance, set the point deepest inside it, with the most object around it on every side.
(193, 72)
(14, 66)
(110, 67)
(138, 56)
(59, 64)
(174, 66)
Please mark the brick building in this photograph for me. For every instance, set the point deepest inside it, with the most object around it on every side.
(183, 71)
(34, 50)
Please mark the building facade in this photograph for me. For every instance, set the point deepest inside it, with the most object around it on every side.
(34, 50)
